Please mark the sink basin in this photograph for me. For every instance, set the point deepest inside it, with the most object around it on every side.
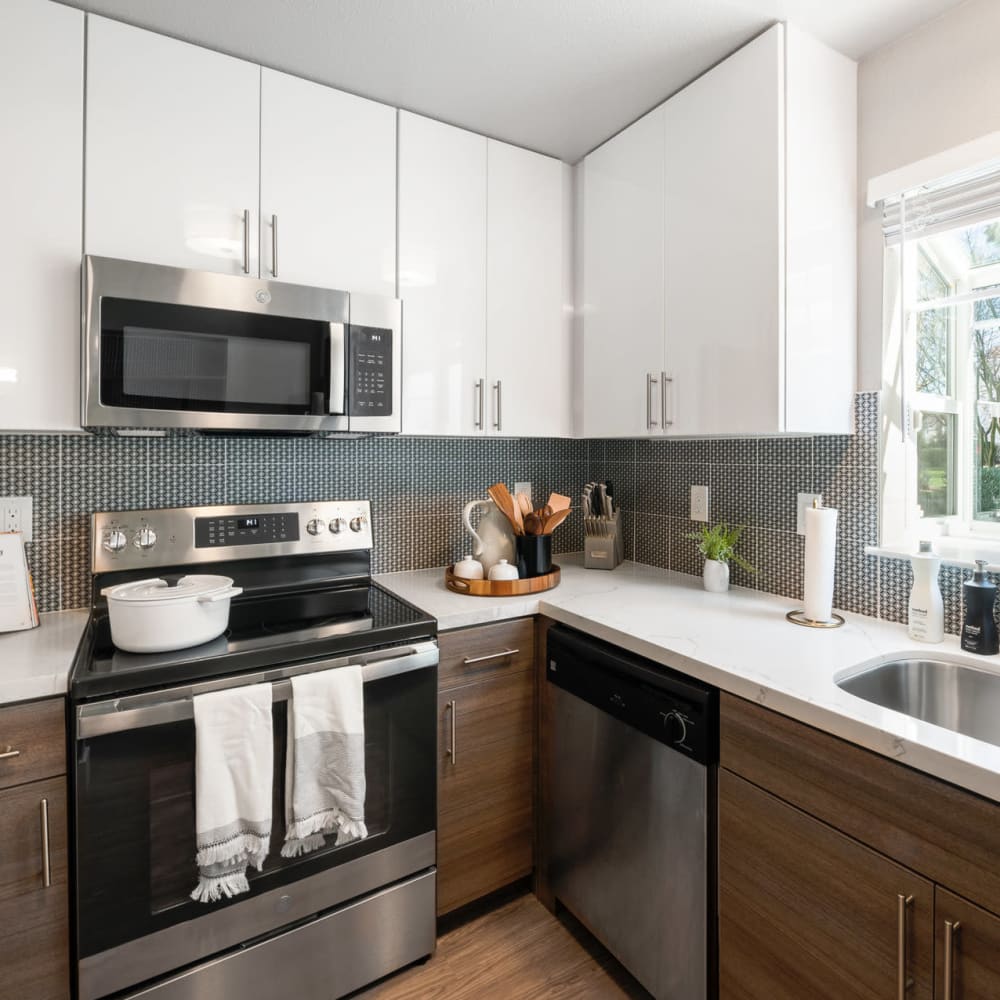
(947, 693)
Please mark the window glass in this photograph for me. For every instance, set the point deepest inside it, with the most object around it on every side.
(934, 354)
(935, 465)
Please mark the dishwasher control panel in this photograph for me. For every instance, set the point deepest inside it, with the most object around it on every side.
(667, 706)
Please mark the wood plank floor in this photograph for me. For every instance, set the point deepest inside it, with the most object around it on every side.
(517, 951)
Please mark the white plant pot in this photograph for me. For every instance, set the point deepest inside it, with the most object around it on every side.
(716, 576)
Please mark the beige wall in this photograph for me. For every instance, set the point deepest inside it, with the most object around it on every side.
(933, 89)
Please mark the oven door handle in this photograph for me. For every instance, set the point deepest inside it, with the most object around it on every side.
(120, 715)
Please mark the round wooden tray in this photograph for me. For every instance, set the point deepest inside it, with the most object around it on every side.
(501, 588)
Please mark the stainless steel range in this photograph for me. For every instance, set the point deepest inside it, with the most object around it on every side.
(319, 925)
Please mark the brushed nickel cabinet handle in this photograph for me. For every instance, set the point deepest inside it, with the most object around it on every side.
(489, 656)
(903, 904)
(498, 389)
(480, 390)
(951, 929)
(664, 382)
(246, 240)
(274, 246)
(46, 861)
(452, 707)
(9, 753)
(650, 382)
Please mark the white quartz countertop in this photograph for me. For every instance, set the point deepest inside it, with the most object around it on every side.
(740, 643)
(35, 663)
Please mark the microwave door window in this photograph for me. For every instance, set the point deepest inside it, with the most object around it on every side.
(236, 372)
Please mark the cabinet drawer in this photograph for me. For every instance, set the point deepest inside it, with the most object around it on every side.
(476, 654)
(36, 733)
(945, 833)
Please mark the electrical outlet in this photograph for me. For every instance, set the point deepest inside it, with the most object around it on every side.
(15, 515)
(524, 488)
(805, 501)
(699, 503)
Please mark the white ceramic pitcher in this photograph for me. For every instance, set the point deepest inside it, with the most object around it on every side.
(493, 537)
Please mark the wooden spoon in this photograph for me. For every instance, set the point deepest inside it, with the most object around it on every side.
(524, 503)
(554, 520)
(500, 495)
(533, 524)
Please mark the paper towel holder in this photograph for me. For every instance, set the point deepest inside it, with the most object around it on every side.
(799, 618)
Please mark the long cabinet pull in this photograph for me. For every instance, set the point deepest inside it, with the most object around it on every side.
(274, 246)
(650, 382)
(951, 929)
(903, 904)
(46, 860)
(498, 389)
(479, 388)
(489, 656)
(452, 707)
(246, 240)
(665, 380)
(9, 753)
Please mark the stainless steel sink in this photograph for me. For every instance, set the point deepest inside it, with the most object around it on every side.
(954, 695)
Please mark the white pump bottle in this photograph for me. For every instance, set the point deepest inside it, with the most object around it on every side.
(926, 610)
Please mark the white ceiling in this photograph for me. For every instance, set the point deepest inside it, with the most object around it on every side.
(559, 76)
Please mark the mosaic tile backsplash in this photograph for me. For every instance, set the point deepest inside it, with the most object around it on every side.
(418, 487)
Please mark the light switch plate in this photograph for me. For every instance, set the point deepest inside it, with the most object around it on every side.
(699, 503)
(805, 501)
(524, 488)
(16, 515)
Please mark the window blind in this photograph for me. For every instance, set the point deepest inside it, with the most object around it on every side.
(955, 202)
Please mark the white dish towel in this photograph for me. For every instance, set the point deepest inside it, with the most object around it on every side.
(325, 768)
(234, 782)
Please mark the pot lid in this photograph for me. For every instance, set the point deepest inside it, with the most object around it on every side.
(160, 590)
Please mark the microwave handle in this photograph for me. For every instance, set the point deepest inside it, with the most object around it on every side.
(338, 368)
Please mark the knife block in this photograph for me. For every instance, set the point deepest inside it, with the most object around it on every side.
(603, 543)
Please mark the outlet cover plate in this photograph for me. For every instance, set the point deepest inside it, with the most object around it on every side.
(699, 503)
(805, 501)
(524, 488)
(16, 515)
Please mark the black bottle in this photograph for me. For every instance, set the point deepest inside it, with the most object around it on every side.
(979, 633)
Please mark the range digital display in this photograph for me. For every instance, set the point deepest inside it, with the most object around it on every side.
(248, 529)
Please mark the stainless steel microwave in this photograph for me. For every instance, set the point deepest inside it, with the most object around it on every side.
(167, 348)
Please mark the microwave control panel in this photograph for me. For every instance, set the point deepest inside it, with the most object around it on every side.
(370, 373)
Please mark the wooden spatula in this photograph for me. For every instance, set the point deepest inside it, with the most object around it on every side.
(554, 520)
(558, 502)
(500, 495)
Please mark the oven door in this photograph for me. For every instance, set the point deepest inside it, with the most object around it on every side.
(166, 348)
(135, 824)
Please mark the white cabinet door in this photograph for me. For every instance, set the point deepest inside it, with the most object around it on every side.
(527, 328)
(724, 246)
(172, 156)
(41, 135)
(622, 273)
(327, 187)
(442, 277)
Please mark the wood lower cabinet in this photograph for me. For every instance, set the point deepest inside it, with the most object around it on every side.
(486, 764)
(806, 912)
(970, 952)
(34, 907)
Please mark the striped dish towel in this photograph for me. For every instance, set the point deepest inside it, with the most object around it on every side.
(234, 774)
(325, 766)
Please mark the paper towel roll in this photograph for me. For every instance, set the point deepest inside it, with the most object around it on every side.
(821, 556)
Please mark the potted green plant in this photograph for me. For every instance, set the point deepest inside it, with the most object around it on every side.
(717, 543)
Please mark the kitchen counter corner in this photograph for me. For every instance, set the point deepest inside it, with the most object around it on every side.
(36, 663)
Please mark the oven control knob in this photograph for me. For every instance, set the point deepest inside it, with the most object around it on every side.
(337, 525)
(145, 539)
(315, 526)
(115, 540)
(357, 523)
(676, 726)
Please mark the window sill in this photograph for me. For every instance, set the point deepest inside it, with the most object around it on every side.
(951, 551)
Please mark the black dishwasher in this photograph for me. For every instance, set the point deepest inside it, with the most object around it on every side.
(634, 751)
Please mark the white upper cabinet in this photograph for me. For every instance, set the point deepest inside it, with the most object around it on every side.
(442, 277)
(172, 151)
(753, 239)
(327, 187)
(41, 134)
(621, 291)
(724, 208)
(528, 330)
